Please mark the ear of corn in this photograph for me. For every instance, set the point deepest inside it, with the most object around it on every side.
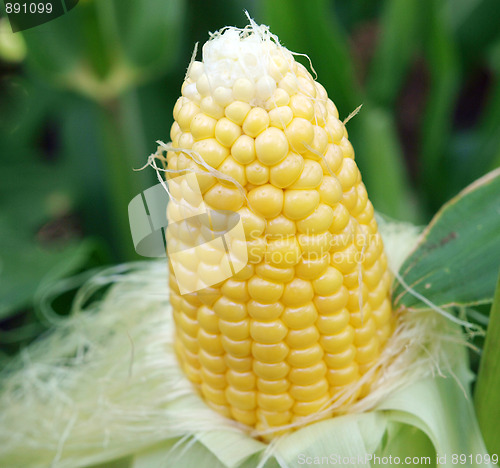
(292, 332)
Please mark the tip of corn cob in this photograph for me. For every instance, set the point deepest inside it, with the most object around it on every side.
(238, 64)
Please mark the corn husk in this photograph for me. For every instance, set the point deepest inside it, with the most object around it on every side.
(103, 388)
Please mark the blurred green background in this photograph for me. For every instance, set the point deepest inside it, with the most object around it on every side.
(84, 97)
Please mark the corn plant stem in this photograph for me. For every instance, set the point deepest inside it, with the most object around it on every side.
(490, 129)
(442, 57)
(124, 141)
(125, 151)
(108, 24)
(382, 156)
(486, 395)
(486, 153)
(382, 164)
(399, 25)
(496, 159)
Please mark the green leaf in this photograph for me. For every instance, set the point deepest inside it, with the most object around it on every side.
(255, 461)
(487, 396)
(32, 195)
(442, 409)
(24, 265)
(443, 59)
(381, 162)
(151, 31)
(476, 24)
(400, 21)
(118, 463)
(482, 154)
(456, 260)
(230, 447)
(404, 440)
(56, 47)
(172, 453)
(350, 436)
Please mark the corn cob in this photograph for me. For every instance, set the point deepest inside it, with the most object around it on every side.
(297, 327)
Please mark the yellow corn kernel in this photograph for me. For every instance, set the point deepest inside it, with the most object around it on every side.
(257, 173)
(297, 293)
(333, 323)
(255, 122)
(305, 408)
(283, 253)
(279, 339)
(243, 90)
(279, 98)
(305, 357)
(217, 381)
(211, 151)
(209, 107)
(288, 171)
(241, 399)
(268, 332)
(245, 417)
(300, 134)
(280, 117)
(310, 177)
(186, 114)
(302, 338)
(330, 191)
(340, 360)
(280, 227)
(202, 126)
(241, 380)
(309, 392)
(238, 363)
(273, 273)
(237, 111)
(273, 387)
(318, 146)
(299, 204)
(265, 291)
(302, 106)
(260, 311)
(298, 318)
(237, 348)
(308, 375)
(274, 418)
(225, 131)
(222, 197)
(276, 370)
(271, 146)
(235, 330)
(275, 402)
(332, 159)
(270, 353)
(243, 149)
